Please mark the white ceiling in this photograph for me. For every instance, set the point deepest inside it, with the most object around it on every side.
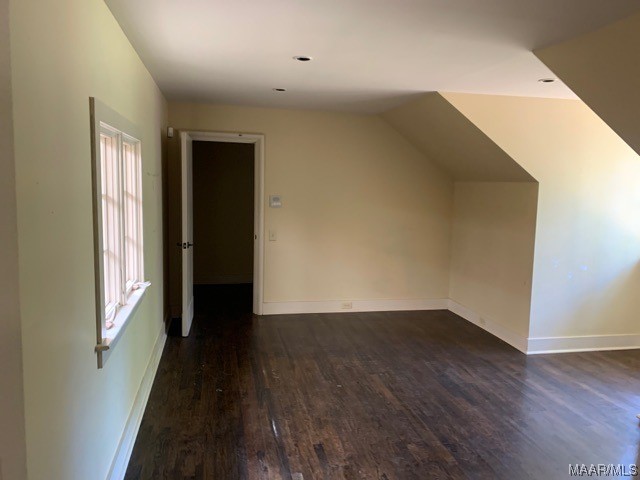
(369, 55)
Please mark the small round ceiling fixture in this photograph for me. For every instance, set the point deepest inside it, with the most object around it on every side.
(547, 80)
(279, 89)
(302, 58)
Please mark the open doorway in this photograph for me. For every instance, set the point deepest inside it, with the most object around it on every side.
(223, 186)
(222, 222)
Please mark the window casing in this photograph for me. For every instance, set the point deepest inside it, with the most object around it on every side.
(118, 224)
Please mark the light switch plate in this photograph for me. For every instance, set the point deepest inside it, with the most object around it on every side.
(275, 201)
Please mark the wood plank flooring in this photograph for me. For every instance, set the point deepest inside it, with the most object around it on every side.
(396, 395)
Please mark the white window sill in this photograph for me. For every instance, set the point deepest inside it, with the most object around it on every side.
(122, 319)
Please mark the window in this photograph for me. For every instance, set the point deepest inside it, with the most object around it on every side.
(121, 192)
(118, 239)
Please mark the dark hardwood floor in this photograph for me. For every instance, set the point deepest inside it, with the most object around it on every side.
(402, 395)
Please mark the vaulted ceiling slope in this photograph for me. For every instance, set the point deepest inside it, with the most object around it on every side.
(447, 137)
(368, 55)
(603, 69)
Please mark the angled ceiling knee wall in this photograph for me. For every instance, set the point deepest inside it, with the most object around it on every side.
(587, 238)
(602, 68)
(494, 216)
(558, 168)
(447, 137)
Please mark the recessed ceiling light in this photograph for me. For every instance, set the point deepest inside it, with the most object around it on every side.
(547, 80)
(279, 89)
(302, 58)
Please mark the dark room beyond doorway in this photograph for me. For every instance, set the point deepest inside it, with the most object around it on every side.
(223, 214)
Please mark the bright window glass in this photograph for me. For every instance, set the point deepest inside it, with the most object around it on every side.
(121, 193)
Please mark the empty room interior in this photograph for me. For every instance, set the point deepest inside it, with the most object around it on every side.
(302, 240)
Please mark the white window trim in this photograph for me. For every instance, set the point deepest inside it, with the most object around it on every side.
(106, 339)
(121, 321)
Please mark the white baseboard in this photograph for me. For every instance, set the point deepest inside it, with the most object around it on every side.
(333, 306)
(503, 333)
(526, 345)
(585, 343)
(123, 453)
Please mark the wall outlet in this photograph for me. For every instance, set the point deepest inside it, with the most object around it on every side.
(273, 236)
(483, 321)
(346, 305)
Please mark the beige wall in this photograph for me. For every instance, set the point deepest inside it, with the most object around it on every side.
(364, 216)
(62, 53)
(223, 212)
(12, 440)
(602, 68)
(586, 273)
(492, 251)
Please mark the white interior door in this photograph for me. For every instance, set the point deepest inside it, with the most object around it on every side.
(187, 232)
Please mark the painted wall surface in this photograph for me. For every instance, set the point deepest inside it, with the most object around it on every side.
(223, 212)
(492, 250)
(586, 272)
(447, 137)
(602, 68)
(12, 435)
(62, 53)
(364, 216)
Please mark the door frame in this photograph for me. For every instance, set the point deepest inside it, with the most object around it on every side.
(258, 201)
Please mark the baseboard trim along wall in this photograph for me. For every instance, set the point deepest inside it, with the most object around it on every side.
(338, 306)
(334, 306)
(123, 453)
(586, 343)
(515, 340)
(529, 346)
(280, 308)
